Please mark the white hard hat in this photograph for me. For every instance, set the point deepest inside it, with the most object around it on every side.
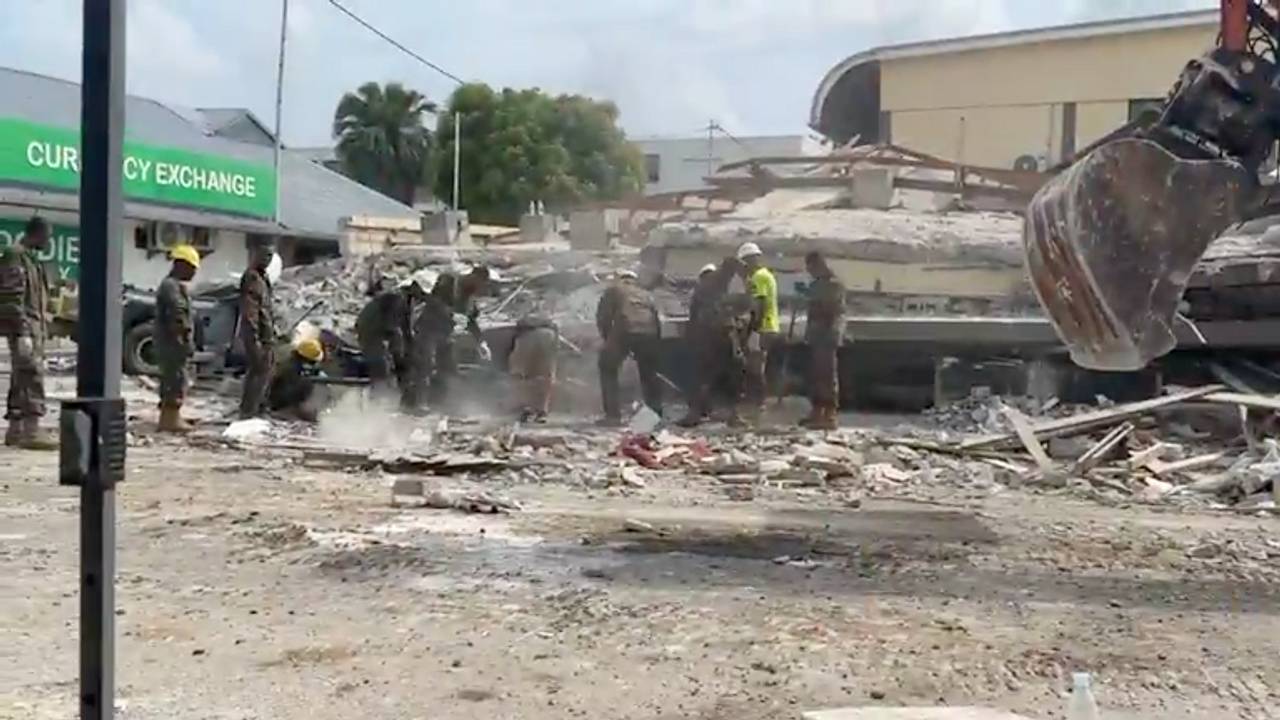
(748, 249)
(629, 274)
(709, 267)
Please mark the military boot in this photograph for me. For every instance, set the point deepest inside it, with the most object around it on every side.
(33, 437)
(13, 433)
(826, 419)
(171, 421)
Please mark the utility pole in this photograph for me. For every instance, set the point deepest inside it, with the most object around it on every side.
(92, 426)
(711, 140)
(457, 159)
(284, 33)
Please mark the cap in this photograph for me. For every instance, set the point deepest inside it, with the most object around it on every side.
(709, 267)
(186, 254)
(627, 274)
(748, 249)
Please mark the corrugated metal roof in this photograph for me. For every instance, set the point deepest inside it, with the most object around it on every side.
(312, 199)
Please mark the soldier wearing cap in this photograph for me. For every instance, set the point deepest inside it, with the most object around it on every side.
(432, 347)
(714, 332)
(173, 336)
(627, 319)
(257, 327)
(384, 330)
(24, 304)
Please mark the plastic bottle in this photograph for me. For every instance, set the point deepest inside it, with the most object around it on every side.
(1082, 706)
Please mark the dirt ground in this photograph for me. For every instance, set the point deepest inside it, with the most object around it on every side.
(251, 586)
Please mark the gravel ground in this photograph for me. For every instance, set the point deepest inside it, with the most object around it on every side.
(251, 586)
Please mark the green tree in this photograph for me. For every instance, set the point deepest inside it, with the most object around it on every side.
(523, 146)
(382, 141)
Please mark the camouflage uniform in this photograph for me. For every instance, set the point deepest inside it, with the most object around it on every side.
(384, 330)
(432, 352)
(824, 332)
(627, 319)
(292, 385)
(24, 300)
(258, 335)
(174, 339)
(532, 360)
(715, 331)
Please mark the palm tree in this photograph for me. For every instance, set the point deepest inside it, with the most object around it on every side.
(382, 142)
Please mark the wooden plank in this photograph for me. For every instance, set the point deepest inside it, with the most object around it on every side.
(1108, 443)
(1260, 402)
(1022, 427)
(1194, 463)
(1085, 422)
(1142, 457)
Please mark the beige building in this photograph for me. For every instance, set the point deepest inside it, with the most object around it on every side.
(1019, 99)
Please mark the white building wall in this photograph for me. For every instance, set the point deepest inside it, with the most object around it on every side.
(682, 163)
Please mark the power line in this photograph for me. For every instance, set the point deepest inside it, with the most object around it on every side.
(395, 43)
(717, 126)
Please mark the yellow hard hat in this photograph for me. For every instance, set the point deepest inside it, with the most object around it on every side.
(310, 350)
(187, 254)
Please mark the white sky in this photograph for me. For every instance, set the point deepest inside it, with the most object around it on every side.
(670, 65)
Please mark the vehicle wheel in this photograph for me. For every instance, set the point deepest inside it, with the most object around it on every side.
(139, 352)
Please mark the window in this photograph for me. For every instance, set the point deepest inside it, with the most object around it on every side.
(652, 168)
(1146, 109)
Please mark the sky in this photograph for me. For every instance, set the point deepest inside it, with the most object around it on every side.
(671, 66)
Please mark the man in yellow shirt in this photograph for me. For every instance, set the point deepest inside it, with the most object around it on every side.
(765, 325)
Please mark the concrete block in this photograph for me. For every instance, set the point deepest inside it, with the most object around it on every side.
(537, 228)
(451, 227)
(882, 713)
(588, 230)
(367, 235)
(872, 188)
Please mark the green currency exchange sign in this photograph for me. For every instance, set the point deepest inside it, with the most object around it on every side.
(47, 156)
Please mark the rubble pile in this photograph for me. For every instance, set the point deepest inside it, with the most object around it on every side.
(564, 285)
(1126, 453)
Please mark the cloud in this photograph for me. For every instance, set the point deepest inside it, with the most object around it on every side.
(670, 65)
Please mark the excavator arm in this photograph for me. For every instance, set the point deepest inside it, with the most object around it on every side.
(1111, 241)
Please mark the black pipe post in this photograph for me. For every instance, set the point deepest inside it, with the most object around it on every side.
(98, 352)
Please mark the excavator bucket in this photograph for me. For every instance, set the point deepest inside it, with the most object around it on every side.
(1112, 241)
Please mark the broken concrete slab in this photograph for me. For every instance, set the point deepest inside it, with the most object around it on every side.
(883, 713)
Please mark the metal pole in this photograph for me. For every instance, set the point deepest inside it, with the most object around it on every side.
(457, 159)
(711, 140)
(98, 346)
(284, 32)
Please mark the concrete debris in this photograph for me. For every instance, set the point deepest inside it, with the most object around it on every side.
(562, 284)
(1125, 456)
(255, 430)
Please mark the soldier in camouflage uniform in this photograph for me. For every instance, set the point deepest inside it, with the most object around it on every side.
(715, 335)
(532, 361)
(24, 303)
(824, 332)
(257, 328)
(384, 329)
(627, 319)
(173, 336)
(432, 360)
